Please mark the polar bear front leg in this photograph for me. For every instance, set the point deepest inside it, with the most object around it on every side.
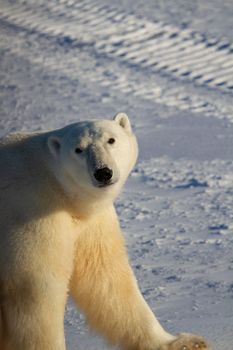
(29, 324)
(104, 287)
(113, 305)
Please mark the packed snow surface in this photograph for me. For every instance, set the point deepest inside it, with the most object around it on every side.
(169, 65)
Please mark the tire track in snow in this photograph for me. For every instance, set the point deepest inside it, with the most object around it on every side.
(134, 40)
(126, 38)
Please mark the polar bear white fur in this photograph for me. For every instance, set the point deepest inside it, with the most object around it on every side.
(59, 233)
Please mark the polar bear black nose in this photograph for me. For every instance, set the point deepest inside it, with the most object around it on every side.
(103, 175)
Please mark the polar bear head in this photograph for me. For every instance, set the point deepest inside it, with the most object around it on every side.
(92, 159)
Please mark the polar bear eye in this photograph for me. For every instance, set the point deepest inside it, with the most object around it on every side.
(111, 141)
(78, 150)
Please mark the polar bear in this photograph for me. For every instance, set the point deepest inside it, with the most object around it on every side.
(59, 234)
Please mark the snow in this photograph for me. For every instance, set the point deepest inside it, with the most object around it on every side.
(67, 61)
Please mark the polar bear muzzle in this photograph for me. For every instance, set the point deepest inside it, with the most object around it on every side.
(102, 166)
(103, 175)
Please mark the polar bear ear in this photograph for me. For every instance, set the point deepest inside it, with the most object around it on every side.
(123, 120)
(54, 145)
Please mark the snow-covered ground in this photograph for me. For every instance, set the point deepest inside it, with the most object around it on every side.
(169, 65)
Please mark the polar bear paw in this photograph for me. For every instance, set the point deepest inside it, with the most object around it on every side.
(185, 341)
